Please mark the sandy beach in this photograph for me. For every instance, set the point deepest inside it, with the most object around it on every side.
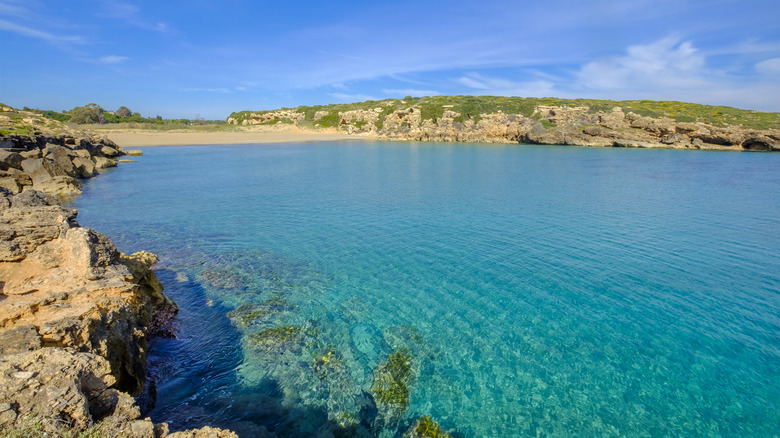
(136, 137)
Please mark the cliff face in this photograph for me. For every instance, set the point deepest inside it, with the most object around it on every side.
(542, 124)
(75, 314)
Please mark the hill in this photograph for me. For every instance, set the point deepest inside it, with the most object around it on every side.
(581, 122)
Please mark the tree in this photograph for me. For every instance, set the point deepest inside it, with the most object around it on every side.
(91, 113)
(124, 111)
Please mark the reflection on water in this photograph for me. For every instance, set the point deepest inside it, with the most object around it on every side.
(346, 290)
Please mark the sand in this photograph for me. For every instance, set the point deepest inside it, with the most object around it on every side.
(135, 137)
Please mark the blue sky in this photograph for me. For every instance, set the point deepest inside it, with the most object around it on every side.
(209, 58)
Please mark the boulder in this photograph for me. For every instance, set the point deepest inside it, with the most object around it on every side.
(34, 153)
(60, 158)
(9, 159)
(85, 167)
(37, 170)
(65, 186)
(103, 162)
(11, 184)
(108, 151)
(61, 384)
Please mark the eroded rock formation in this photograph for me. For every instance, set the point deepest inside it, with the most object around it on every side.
(53, 163)
(577, 126)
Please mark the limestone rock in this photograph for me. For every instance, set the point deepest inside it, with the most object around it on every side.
(11, 184)
(61, 384)
(104, 163)
(72, 286)
(85, 167)
(9, 159)
(204, 432)
(19, 340)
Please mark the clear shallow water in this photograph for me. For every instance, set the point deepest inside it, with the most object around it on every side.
(539, 291)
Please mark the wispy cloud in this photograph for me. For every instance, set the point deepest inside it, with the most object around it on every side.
(769, 67)
(113, 59)
(410, 92)
(39, 34)
(667, 62)
(671, 69)
(207, 90)
(486, 85)
(344, 97)
(131, 14)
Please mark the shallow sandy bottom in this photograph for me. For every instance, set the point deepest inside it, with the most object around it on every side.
(130, 137)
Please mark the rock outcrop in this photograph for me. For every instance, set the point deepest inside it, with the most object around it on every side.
(75, 315)
(47, 155)
(547, 124)
(53, 164)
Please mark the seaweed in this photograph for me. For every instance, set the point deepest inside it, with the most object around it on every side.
(274, 339)
(248, 314)
(425, 427)
(392, 379)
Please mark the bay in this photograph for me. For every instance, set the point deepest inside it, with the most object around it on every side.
(534, 290)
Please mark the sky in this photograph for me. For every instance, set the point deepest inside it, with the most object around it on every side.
(203, 58)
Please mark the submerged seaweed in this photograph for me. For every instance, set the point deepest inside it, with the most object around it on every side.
(391, 382)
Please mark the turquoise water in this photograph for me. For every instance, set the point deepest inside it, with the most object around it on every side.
(534, 290)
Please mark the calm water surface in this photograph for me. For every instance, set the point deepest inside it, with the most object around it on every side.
(536, 291)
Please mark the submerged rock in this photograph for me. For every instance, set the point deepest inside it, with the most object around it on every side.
(425, 427)
(391, 389)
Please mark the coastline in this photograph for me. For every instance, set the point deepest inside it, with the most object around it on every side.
(75, 313)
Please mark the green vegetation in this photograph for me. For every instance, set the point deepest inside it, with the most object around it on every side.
(273, 338)
(16, 122)
(392, 379)
(427, 428)
(224, 278)
(95, 114)
(248, 314)
(32, 426)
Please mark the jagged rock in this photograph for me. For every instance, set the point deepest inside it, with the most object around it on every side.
(11, 184)
(9, 159)
(108, 151)
(36, 169)
(35, 153)
(21, 178)
(85, 167)
(72, 285)
(61, 384)
(65, 186)
(614, 119)
(103, 162)
(19, 340)
(204, 432)
(60, 158)
(549, 124)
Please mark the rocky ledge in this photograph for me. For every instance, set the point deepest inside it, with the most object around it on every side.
(417, 120)
(75, 314)
(52, 164)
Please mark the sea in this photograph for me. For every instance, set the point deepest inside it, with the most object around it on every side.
(350, 288)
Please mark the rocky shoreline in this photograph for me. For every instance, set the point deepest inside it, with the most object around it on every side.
(547, 124)
(75, 313)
